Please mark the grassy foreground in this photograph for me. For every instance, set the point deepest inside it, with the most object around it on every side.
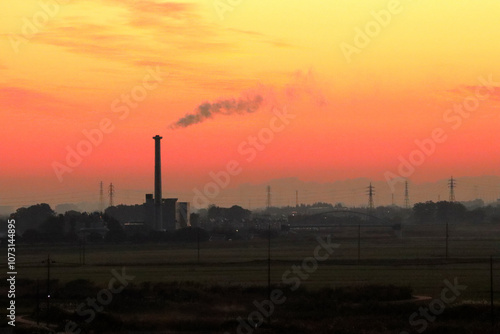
(210, 294)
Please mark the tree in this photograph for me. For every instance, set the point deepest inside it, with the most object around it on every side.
(32, 217)
(236, 212)
(322, 205)
(450, 212)
(127, 213)
(424, 212)
(214, 212)
(476, 216)
(111, 223)
(116, 232)
(32, 236)
(53, 228)
(195, 219)
(70, 220)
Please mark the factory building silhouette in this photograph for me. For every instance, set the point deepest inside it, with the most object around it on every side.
(164, 214)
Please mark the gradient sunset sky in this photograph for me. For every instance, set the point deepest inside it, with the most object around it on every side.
(411, 68)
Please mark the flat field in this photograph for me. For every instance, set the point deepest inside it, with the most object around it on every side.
(416, 259)
(219, 281)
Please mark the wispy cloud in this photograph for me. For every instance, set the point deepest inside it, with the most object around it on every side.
(490, 94)
(15, 100)
(494, 91)
(258, 37)
(171, 25)
(468, 90)
(146, 31)
(20, 98)
(85, 38)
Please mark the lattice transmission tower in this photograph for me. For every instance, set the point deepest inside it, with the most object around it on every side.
(371, 193)
(407, 196)
(452, 183)
(111, 192)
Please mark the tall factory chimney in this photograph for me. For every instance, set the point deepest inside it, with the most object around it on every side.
(158, 199)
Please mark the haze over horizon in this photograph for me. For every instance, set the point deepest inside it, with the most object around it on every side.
(352, 193)
(317, 93)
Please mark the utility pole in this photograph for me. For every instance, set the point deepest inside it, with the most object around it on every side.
(198, 242)
(359, 242)
(296, 198)
(451, 185)
(492, 306)
(48, 284)
(447, 236)
(268, 201)
(37, 302)
(83, 249)
(101, 198)
(269, 267)
(48, 288)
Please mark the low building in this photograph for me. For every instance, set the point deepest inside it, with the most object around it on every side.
(183, 214)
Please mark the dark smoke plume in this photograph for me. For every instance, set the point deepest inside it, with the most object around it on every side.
(223, 107)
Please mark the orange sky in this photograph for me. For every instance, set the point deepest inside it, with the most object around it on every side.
(362, 81)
